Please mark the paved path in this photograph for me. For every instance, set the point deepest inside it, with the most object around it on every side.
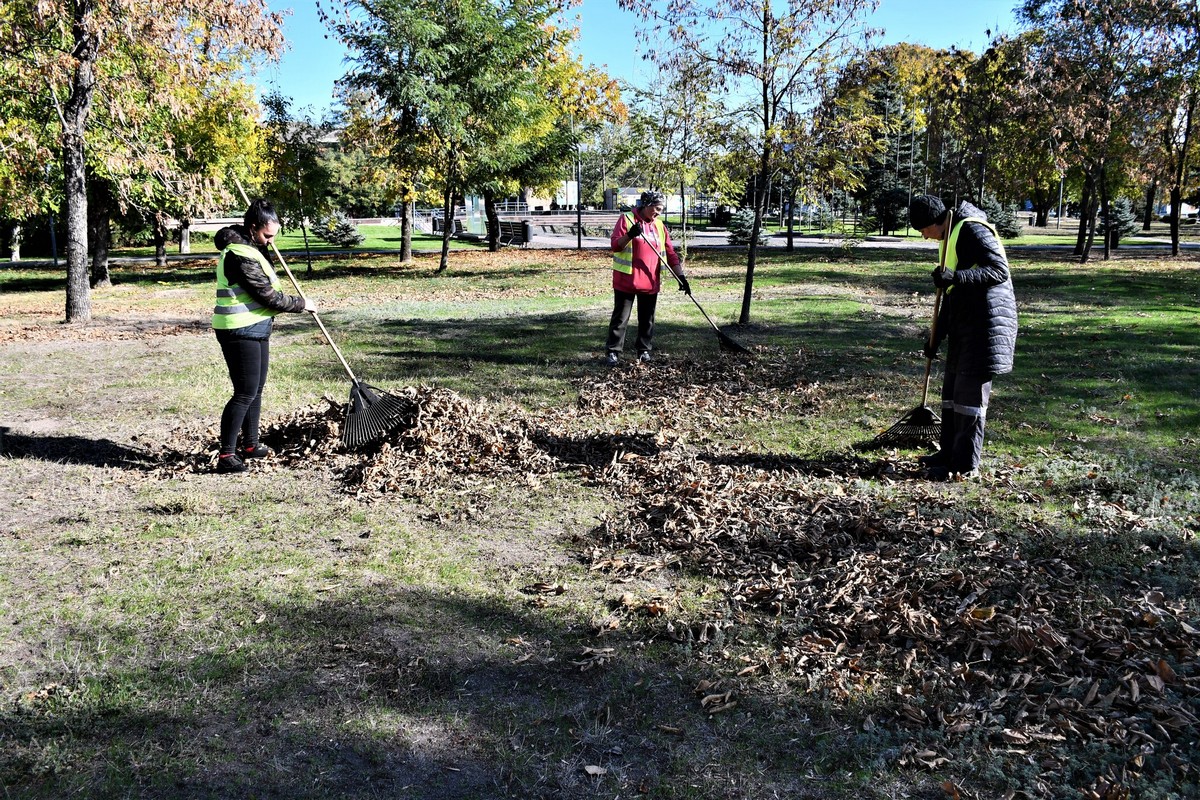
(707, 240)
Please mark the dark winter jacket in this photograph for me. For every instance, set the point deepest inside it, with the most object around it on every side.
(979, 314)
(247, 273)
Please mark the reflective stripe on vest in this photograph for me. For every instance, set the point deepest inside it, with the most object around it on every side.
(952, 243)
(235, 307)
(623, 260)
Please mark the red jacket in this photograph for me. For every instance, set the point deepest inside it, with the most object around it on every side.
(646, 277)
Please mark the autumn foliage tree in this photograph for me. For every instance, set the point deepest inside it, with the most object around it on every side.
(72, 55)
(763, 55)
(1092, 69)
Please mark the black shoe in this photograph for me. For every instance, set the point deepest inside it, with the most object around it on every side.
(644, 357)
(257, 451)
(947, 474)
(229, 463)
(612, 359)
(937, 459)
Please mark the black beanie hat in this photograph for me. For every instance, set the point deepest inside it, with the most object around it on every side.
(926, 210)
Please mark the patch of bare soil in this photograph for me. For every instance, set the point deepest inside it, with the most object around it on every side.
(108, 329)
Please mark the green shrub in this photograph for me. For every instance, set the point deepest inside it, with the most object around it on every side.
(336, 228)
(741, 226)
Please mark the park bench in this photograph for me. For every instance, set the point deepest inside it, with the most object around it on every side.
(438, 226)
(515, 231)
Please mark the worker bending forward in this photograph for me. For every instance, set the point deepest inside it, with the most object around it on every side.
(979, 318)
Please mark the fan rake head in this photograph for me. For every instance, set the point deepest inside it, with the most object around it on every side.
(918, 427)
(372, 413)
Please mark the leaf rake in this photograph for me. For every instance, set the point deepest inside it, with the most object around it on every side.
(921, 426)
(724, 340)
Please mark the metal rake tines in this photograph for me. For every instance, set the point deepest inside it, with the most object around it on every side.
(917, 427)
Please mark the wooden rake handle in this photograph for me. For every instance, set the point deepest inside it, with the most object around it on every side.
(937, 305)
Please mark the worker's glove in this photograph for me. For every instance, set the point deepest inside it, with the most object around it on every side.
(684, 286)
(942, 278)
(635, 230)
(930, 350)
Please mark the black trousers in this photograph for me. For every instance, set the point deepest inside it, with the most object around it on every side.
(622, 307)
(964, 417)
(248, 360)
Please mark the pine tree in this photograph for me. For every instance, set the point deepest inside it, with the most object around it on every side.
(1124, 221)
(1003, 217)
(336, 228)
(741, 227)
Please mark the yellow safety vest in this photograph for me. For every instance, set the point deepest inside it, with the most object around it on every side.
(235, 307)
(952, 243)
(623, 260)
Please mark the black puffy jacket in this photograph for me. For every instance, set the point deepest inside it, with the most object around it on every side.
(248, 273)
(979, 315)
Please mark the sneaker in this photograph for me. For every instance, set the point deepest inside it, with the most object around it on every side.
(611, 359)
(229, 463)
(644, 357)
(257, 451)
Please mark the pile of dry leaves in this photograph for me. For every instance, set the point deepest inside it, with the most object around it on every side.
(442, 441)
(929, 618)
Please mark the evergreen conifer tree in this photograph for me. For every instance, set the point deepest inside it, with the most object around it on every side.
(336, 228)
(741, 225)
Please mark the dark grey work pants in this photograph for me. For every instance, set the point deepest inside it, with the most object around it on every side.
(964, 416)
(622, 307)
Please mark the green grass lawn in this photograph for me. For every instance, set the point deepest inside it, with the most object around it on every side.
(172, 633)
(378, 237)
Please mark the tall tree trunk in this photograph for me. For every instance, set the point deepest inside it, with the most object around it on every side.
(14, 240)
(493, 220)
(1148, 214)
(1043, 200)
(447, 226)
(160, 238)
(74, 113)
(760, 185)
(1182, 167)
(1085, 207)
(1106, 213)
(1089, 222)
(1176, 210)
(99, 233)
(185, 236)
(406, 232)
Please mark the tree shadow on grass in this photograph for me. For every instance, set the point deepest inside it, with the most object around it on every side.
(388, 693)
(73, 450)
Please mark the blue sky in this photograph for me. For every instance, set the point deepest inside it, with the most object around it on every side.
(313, 62)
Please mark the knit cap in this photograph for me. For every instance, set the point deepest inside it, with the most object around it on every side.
(926, 210)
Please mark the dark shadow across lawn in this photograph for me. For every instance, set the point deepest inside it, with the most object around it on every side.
(347, 697)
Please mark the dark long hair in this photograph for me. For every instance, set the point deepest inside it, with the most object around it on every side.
(259, 214)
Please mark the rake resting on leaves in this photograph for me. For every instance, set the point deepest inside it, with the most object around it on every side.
(724, 340)
(371, 412)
